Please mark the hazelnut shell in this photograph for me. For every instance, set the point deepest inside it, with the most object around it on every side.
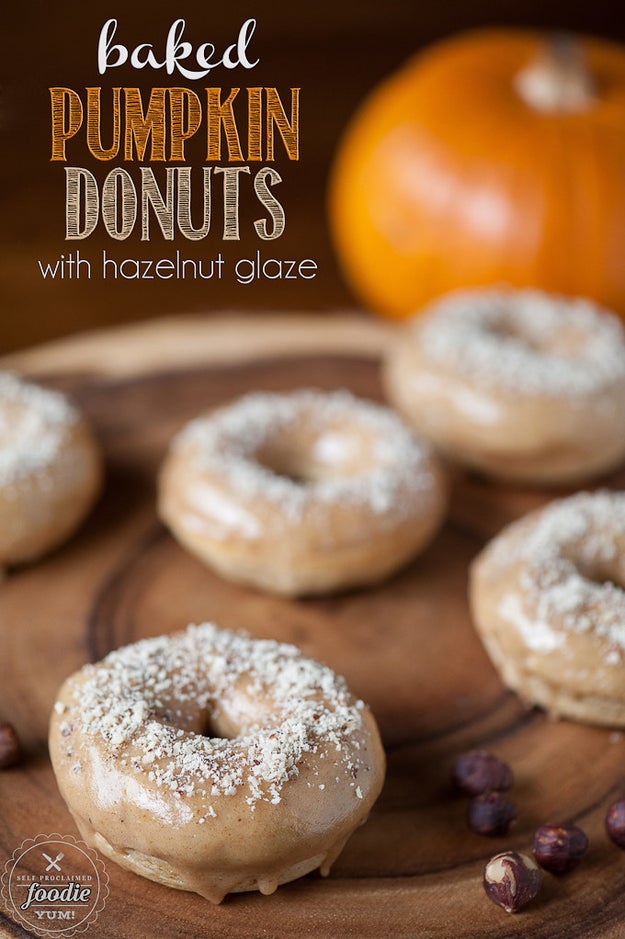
(512, 880)
(559, 848)
(615, 823)
(476, 771)
(10, 750)
(491, 813)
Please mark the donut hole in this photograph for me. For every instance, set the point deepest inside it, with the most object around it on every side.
(306, 458)
(287, 465)
(193, 718)
(603, 573)
(234, 712)
(240, 711)
(507, 329)
(217, 726)
(534, 335)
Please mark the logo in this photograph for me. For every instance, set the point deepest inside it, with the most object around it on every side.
(55, 885)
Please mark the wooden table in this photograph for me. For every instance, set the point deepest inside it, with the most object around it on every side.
(407, 647)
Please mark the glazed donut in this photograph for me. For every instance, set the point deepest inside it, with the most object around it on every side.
(213, 762)
(547, 599)
(521, 385)
(50, 470)
(301, 493)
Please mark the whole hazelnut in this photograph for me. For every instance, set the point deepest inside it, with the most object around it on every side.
(477, 771)
(490, 814)
(10, 752)
(559, 848)
(615, 823)
(512, 880)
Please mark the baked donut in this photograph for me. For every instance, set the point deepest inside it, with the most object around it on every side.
(50, 470)
(547, 599)
(305, 492)
(213, 762)
(520, 384)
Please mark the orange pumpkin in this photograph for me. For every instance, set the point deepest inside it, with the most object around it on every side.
(491, 157)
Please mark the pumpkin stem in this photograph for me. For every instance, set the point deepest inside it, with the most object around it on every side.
(557, 79)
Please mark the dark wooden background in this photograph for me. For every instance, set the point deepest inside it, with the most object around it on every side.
(335, 51)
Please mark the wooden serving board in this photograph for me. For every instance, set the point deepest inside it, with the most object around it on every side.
(407, 647)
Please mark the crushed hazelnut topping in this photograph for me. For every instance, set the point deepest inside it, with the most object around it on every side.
(126, 702)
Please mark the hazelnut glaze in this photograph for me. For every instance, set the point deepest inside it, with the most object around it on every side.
(212, 762)
(304, 492)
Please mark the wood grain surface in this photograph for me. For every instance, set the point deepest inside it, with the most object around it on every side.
(407, 647)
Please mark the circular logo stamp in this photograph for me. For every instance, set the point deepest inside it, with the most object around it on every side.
(55, 885)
